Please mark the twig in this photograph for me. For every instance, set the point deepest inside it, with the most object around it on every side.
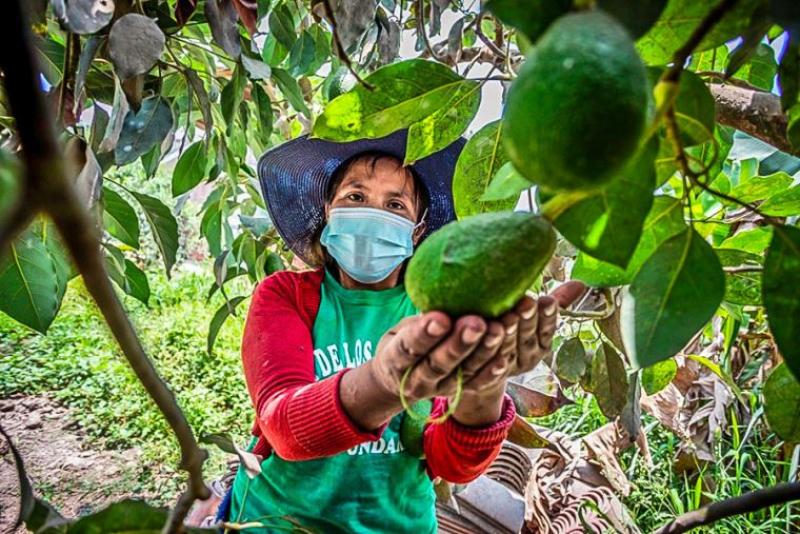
(744, 504)
(342, 52)
(485, 40)
(673, 74)
(47, 179)
(421, 29)
(743, 269)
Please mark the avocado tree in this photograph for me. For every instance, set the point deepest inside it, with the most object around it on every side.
(623, 117)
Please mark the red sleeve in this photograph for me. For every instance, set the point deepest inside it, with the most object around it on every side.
(458, 453)
(299, 417)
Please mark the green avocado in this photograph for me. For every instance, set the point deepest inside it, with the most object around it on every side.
(575, 114)
(482, 264)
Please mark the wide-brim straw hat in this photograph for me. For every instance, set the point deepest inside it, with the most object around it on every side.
(294, 178)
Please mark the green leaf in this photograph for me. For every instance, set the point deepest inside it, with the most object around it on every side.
(664, 220)
(128, 516)
(531, 17)
(231, 97)
(507, 184)
(219, 319)
(609, 381)
(754, 241)
(263, 112)
(190, 169)
(695, 109)
(143, 130)
(482, 157)
(291, 90)
(119, 218)
(789, 74)
(783, 204)
(282, 26)
(680, 19)
(760, 69)
(138, 286)
(571, 360)
(781, 289)
(782, 404)
(741, 287)
(608, 225)
(302, 54)
(435, 103)
(673, 295)
(33, 277)
(193, 79)
(758, 188)
(163, 225)
(658, 376)
(211, 228)
(638, 17)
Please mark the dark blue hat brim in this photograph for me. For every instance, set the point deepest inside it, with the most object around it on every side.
(294, 177)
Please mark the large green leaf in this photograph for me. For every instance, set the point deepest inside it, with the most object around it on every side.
(673, 295)
(782, 403)
(607, 226)
(430, 99)
(781, 290)
(144, 129)
(758, 188)
(680, 19)
(571, 360)
(291, 90)
(33, 277)
(755, 240)
(219, 319)
(482, 157)
(231, 97)
(163, 225)
(664, 220)
(282, 26)
(783, 204)
(190, 169)
(119, 218)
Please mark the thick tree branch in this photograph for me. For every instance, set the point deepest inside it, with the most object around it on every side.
(744, 504)
(47, 180)
(756, 113)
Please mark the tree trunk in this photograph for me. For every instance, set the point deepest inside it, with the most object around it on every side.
(757, 113)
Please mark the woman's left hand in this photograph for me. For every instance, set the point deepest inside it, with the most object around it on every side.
(526, 339)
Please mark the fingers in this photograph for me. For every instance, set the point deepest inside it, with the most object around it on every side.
(416, 336)
(547, 310)
(486, 350)
(568, 292)
(528, 337)
(443, 360)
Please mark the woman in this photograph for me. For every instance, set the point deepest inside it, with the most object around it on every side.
(324, 351)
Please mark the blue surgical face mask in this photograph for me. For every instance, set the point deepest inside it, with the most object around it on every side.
(368, 243)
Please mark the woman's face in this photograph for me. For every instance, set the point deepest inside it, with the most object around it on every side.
(386, 185)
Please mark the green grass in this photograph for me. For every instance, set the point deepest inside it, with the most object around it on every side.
(79, 363)
(660, 494)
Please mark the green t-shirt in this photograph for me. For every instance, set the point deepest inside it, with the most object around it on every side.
(373, 487)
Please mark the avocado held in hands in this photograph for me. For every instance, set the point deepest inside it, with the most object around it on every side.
(482, 264)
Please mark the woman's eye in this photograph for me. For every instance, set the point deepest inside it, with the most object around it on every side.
(355, 197)
(396, 205)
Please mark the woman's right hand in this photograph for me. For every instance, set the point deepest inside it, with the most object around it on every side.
(435, 346)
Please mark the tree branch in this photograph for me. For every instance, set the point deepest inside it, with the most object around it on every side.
(744, 504)
(342, 52)
(47, 179)
(757, 113)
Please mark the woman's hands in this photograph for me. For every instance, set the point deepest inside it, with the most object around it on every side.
(435, 346)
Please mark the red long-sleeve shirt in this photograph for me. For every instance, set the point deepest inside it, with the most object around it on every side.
(300, 418)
